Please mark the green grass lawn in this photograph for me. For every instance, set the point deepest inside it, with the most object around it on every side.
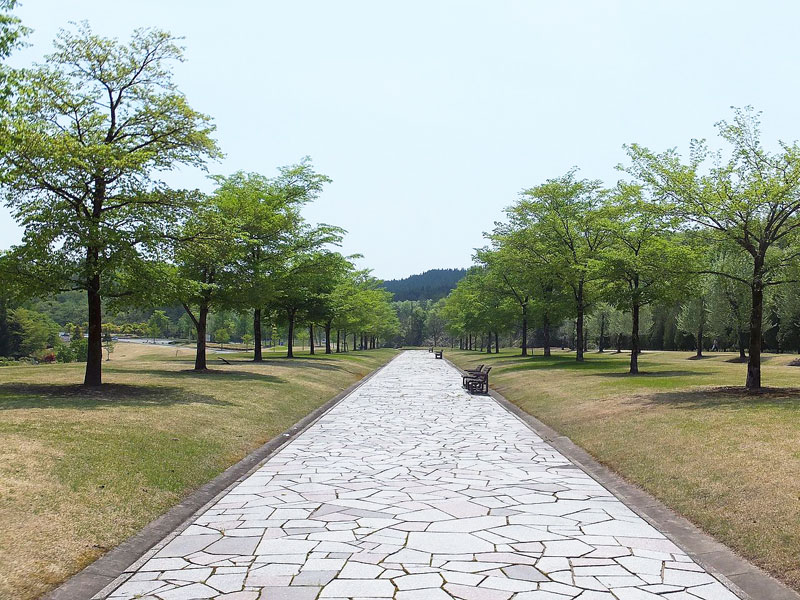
(81, 470)
(728, 461)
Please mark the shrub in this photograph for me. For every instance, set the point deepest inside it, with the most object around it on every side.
(64, 354)
(49, 358)
(80, 348)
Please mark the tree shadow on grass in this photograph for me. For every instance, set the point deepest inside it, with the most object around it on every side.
(643, 374)
(567, 363)
(214, 375)
(44, 395)
(725, 397)
(217, 366)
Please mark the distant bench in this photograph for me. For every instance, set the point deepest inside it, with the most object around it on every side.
(476, 381)
(438, 353)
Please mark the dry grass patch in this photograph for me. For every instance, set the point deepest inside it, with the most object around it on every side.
(685, 431)
(81, 470)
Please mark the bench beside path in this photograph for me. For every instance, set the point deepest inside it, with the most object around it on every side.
(413, 489)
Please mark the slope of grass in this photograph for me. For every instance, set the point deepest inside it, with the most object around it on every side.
(728, 461)
(82, 470)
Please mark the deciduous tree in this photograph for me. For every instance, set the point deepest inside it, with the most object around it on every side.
(81, 144)
(750, 199)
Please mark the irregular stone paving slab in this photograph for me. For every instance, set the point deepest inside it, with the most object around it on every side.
(412, 489)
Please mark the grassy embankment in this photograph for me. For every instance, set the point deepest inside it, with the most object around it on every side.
(728, 461)
(81, 471)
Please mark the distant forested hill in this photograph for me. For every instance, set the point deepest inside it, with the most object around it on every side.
(430, 285)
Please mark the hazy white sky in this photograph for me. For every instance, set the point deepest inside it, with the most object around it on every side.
(430, 116)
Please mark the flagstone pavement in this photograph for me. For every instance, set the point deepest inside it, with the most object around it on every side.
(412, 489)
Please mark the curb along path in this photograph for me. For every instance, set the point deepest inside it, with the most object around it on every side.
(412, 489)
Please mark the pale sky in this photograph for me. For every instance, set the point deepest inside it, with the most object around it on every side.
(430, 116)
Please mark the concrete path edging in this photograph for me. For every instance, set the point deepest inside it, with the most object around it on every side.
(742, 577)
(111, 569)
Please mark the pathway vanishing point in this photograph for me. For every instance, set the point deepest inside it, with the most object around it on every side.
(412, 489)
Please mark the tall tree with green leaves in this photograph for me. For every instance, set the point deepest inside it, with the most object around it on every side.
(643, 263)
(81, 145)
(268, 211)
(12, 37)
(750, 199)
(564, 219)
(302, 284)
(201, 273)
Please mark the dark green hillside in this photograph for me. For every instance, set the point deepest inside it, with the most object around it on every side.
(430, 285)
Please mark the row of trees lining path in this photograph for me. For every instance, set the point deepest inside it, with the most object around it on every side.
(680, 230)
(84, 139)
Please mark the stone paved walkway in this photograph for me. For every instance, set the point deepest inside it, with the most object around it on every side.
(420, 492)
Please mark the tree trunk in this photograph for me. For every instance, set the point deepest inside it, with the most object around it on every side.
(202, 327)
(742, 343)
(496, 343)
(489, 342)
(546, 336)
(338, 341)
(257, 356)
(94, 356)
(635, 339)
(601, 341)
(700, 341)
(753, 382)
(354, 342)
(328, 338)
(524, 330)
(290, 335)
(579, 324)
(311, 339)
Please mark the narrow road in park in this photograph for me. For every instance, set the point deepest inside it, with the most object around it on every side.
(412, 489)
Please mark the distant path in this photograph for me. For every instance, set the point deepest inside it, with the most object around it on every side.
(418, 491)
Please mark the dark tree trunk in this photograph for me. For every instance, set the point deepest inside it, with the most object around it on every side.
(290, 334)
(461, 343)
(619, 343)
(338, 341)
(635, 339)
(742, 343)
(257, 356)
(579, 324)
(753, 382)
(601, 341)
(328, 338)
(311, 339)
(546, 336)
(489, 342)
(524, 330)
(496, 343)
(94, 356)
(700, 341)
(202, 327)
(354, 342)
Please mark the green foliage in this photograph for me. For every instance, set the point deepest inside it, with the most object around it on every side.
(80, 348)
(79, 148)
(158, 324)
(31, 332)
(64, 353)
(433, 284)
(222, 335)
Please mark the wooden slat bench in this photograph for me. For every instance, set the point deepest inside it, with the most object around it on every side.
(477, 382)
